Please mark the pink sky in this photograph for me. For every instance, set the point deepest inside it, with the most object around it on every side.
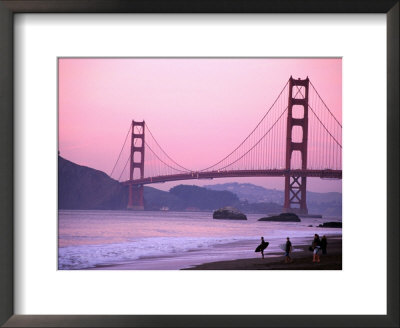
(184, 102)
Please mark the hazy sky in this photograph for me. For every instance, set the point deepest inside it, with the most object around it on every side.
(198, 109)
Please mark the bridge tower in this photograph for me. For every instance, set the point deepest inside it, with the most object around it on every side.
(295, 184)
(135, 201)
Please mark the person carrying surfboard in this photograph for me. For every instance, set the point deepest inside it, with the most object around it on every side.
(288, 250)
(260, 248)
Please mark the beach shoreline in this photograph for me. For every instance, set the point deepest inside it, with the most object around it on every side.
(274, 260)
(302, 260)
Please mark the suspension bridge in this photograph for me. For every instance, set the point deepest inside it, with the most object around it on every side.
(298, 137)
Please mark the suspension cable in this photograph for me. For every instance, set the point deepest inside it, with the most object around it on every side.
(165, 152)
(280, 116)
(325, 127)
(163, 161)
(250, 132)
(325, 104)
(129, 157)
(126, 138)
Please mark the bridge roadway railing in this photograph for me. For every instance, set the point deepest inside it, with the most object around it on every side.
(325, 174)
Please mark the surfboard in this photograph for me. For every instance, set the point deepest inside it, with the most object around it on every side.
(261, 247)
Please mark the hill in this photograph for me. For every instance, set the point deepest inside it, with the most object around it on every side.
(81, 187)
(322, 203)
(250, 192)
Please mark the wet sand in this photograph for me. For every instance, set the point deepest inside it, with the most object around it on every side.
(302, 260)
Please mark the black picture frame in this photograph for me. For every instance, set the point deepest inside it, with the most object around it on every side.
(10, 7)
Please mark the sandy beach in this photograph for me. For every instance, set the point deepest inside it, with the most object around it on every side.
(149, 240)
(302, 260)
(274, 260)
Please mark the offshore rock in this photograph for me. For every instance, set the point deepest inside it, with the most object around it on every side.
(229, 213)
(331, 225)
(283, 217)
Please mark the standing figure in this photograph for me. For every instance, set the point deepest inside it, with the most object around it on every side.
(324, 244)
(316, 247)
(288, 250)
(262, 247)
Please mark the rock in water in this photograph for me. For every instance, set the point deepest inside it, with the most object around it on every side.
(331, 225)
(229, 213)
(283, 217)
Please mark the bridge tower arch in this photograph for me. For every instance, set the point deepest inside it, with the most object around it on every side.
(295, 184)
(136, 200)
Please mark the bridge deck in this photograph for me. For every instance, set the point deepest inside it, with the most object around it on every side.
(328, 174)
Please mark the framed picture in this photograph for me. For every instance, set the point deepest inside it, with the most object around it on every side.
(49, 105)
(206, 215)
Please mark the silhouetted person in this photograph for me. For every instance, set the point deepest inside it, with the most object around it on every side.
(324, 244)
(316, 247)
(288, 250)
(264, 244)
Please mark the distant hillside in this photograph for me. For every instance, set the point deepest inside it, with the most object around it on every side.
(84, 188)
(202, 198)
(250, 192)
(321, 203)
(155, 199)
(81, 187)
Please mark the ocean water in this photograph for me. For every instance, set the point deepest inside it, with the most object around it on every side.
(170, 240)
